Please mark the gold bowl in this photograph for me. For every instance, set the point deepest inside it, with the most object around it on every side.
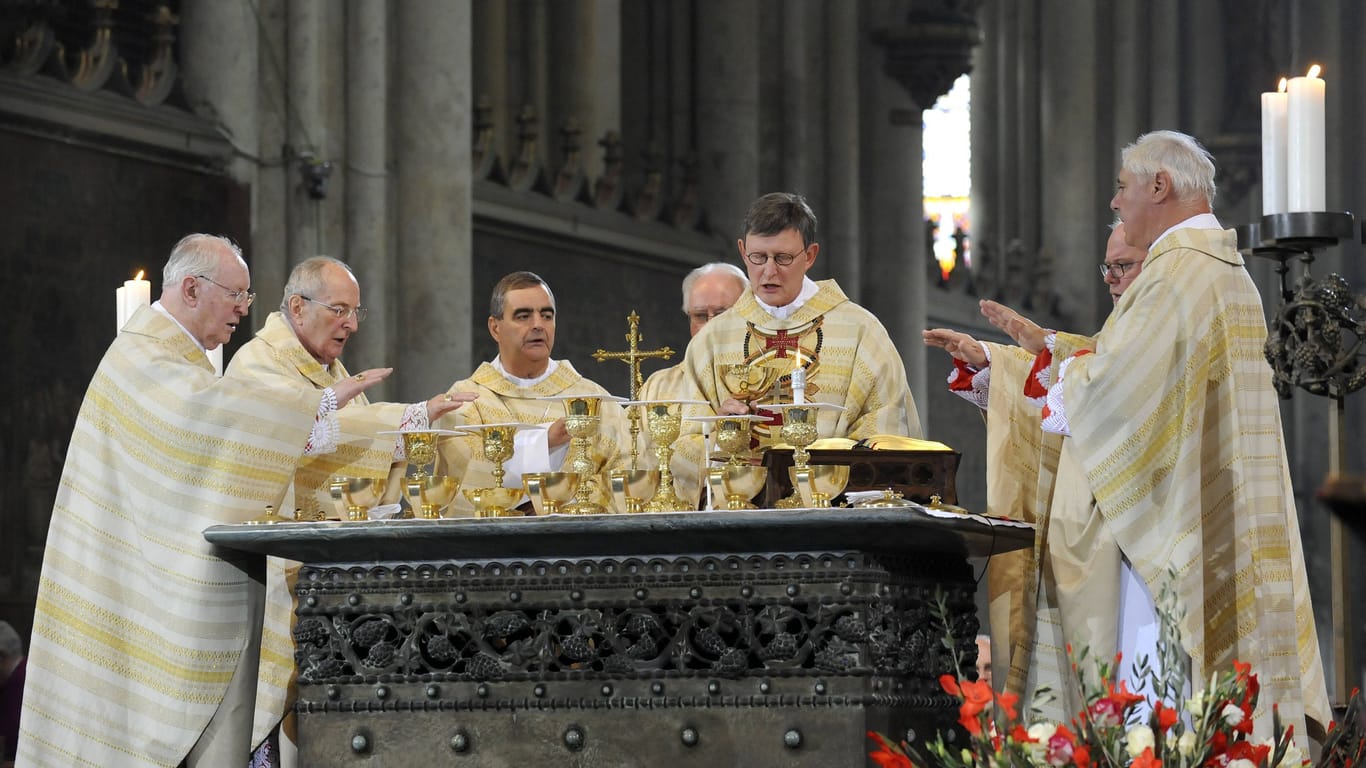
(631, 488)
(737, 484)
(494, 502)
(819, 483)
(549, 491)
(429, 496)
(354, 496)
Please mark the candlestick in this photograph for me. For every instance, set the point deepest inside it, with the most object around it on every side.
(1304, 143)
(1273, 150)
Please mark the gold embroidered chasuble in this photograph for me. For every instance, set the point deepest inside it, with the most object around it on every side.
(1176, 429)
(502, 401)
(139, 623)
(276, 356)
(848, 357)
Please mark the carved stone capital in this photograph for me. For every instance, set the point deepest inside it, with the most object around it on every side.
(930, 51)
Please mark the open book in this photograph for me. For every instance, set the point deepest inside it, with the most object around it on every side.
(876, 443)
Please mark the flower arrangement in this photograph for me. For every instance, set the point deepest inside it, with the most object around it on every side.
(1213, 730)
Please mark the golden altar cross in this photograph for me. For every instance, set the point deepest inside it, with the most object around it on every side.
(632, 357)
(634, 354)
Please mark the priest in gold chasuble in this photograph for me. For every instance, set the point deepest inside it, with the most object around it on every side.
(142, 628)
(516, 386)
(745, 357)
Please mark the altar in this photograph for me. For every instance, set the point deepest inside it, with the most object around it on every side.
(764, 637)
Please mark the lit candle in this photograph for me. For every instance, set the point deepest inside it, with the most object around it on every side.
(135, 293)
(1273, 151)
(798, 380)
(1304, 143)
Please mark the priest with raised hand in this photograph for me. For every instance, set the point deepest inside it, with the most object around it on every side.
(144, 648)
(744, 357)
(520, 385)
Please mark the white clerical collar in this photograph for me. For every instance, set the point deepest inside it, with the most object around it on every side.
(158, 307)
(809, 289)
(1198, 221)
(497, 364)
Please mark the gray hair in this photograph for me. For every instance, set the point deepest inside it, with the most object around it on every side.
(306, 279)
(707, 269)
(10, 645)
(196, 254)
(515, 282)
(1190, 165)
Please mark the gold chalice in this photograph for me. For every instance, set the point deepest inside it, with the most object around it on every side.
(354, 496)
(549, 491)
(631, 488)
(799, 430)
(582, 421)
(496, 443)
(664, 422)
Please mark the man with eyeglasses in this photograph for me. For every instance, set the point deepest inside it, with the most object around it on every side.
(303, 343)
(519, 385)
(138, 619)
(786, 321)
(708, 291)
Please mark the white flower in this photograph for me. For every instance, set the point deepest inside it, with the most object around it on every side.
(1042, 731)
(1139, 738)
(1196, 703)
(1186, 744)
(1232, 714)
(1242, 763)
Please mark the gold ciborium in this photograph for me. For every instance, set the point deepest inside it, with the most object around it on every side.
(631, 488)
(496, 443)
(740, 478)
(355, 496)
(582, 420)
(550, 491)
(428, 493)
(799, 430)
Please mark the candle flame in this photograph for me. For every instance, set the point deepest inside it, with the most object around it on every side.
(139, 277)
(1281, 88)
(1315, 70)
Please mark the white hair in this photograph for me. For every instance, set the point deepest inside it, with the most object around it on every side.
(1190, 165)
(306, 279)
(707, 269)
(194, 255)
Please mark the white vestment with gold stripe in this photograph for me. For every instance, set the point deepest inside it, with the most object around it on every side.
(140, 622)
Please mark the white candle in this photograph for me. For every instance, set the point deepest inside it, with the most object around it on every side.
(799, 380)
(1304, 143)
(135, 293)
(1273, 151)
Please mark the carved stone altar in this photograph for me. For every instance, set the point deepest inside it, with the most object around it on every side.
(724, 638)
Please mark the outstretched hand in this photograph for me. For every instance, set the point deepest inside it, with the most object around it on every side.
(444, 403)
(1024, 331)
(960, 345)
(347, 389)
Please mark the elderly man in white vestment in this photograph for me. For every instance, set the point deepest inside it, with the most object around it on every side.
(1173, 459)
(143, 650)
(522, 385)
(1022, 463)
(708, 291)
(301, 345)
(787, 320)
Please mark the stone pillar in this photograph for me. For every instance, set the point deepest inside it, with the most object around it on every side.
(728, 111)
(305, 124)
(986, 131)
(840, 217)
(491, 67)
(1073, 219)
(787, 159)
(433, 197)
(584, 75)
(1163, 52)
(369, 238)
(275, 175)
(221, 42)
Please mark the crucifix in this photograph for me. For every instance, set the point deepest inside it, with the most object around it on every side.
(633, 357)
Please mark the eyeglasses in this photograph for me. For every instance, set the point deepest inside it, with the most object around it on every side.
(782, 259)
(1117, 269)
(238, 297)
(341, 313)
(702, 316)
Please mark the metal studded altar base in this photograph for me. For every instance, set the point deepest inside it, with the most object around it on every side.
(755, 638)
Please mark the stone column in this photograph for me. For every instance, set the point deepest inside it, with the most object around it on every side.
(305, 124)
(728, 111)
(840, 217)
(584, 78)
(433, 196)
(369, 238)
(1073, 219)
(986, 131)
(275, 174)
(491, 67)
(218, 73)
